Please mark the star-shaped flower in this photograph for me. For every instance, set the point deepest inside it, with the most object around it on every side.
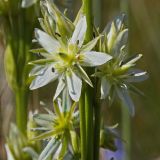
(59, 128)
(117, 75)
(64, 61)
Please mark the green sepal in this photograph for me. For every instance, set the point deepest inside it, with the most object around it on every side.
(47, 135)
(63, 149)
(75, 141)
(38, 50)
(41, 61)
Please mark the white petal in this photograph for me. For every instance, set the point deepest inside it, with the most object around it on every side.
(126, 99)
(79, 32)
(9, 153)
(31, 152)
(47, 77)
(105, 88)
(119, 21)
(57, 153)
(74, 85)
(94, 58)
(37, 70)
(50, 148)
(60, 87)
(27, 3)
(49, 43)
(121, 40)
(137, 77)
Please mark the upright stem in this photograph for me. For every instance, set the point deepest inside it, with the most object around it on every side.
(97, 110)
(89, 122)
(88, 92)
(97, 12)
(82, 125)
(126, 121)
(126, 133)
(21, 109)
(97, 105)
(88, 13)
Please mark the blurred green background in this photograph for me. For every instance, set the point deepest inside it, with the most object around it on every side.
(144, 27)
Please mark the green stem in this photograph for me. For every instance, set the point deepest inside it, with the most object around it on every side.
(126, 133)
(87, 4)
(82, 125)
(97, 14)
(21, 109)
(97, 106)
(97, 123)
(89, 122)
(126, 120)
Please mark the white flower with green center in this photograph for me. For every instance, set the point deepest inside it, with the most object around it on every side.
(59, 128)
(65, 61)
(117, 75)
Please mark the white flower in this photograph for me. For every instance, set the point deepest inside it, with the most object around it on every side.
(65, 61)
(117, 75)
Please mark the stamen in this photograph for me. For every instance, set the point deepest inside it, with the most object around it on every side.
(57, 34)
(39, 55)
(94, 35)
(53, 69)
(77, 42)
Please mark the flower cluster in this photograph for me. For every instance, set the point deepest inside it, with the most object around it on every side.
(117, 75)
(64, 56)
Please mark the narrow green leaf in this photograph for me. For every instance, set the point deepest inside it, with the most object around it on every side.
(46, 135)
(64, 148)
(71, 111)
(84, 75)
(90, 45)
(133, 59)
(57, 110)
(38, 50)
(135, 90)
(75, 141)
(42, 61)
